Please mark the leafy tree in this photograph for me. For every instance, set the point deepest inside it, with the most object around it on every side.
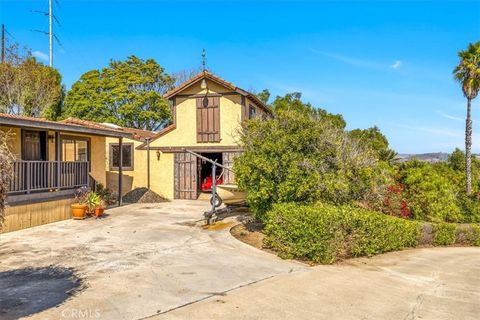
(293, 102)
(300, 158)
(28, 87)
(264, 96)
(127, 93)
(374, 138)
(467, 73)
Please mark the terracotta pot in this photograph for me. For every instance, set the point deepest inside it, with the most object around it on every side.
(99, 212)
(79, 211)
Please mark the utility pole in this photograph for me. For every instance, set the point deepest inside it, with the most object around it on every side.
(3, 43)
(50, 31)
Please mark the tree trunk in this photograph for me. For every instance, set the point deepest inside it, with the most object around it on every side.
(468, 147)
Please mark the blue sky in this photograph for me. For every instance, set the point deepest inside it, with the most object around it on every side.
(384, 63)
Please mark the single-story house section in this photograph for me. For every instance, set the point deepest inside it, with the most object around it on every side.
(52, 160)
(207, 115)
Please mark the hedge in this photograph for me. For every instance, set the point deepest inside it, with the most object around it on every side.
(324, 233)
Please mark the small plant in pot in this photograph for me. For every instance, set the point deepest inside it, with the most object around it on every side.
(100, 208)
(92, 201)
(79, 207)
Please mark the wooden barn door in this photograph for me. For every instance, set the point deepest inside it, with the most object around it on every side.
(208, 119)
(228, 176)
(185, 173)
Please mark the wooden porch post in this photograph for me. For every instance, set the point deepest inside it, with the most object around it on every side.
(120, 170)
(148, 163)
(58, 156)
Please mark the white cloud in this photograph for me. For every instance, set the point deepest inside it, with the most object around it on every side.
(356, 62)
(40, 55)
(397, 64)
(348, 60)
(449, 116)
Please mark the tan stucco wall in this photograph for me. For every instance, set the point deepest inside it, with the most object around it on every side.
(185, 133)
(98, 158)
(161, 171)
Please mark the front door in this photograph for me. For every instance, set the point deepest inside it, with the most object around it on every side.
(34, 146)
(185, 172)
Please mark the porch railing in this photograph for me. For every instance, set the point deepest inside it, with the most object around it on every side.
(32, 176)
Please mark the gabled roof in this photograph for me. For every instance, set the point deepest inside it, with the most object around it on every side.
(212, 77)
(75, 126)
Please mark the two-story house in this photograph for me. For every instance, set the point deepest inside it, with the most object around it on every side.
(207, 114)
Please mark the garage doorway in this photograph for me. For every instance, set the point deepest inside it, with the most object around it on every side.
(205, 171)
(193, 176)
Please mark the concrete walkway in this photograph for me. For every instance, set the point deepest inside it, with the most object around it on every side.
(151, 261)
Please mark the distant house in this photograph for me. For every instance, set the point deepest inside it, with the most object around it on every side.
(52, 160)
(207, 115)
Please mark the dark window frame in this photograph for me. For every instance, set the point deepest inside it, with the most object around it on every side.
(110, 156)
(252, 115)
(76, 138)
(43, 148)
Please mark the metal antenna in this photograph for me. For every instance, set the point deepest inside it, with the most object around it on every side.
(204, 60)
(50, 33)
(3, 43)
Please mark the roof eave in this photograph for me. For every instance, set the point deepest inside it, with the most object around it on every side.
(24, 123)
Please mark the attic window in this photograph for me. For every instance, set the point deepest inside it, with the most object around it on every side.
(205, 102)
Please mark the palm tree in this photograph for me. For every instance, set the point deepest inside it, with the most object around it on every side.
(468, 74)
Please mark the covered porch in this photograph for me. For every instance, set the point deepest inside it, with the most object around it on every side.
(54, 159)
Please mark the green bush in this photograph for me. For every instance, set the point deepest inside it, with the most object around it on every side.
(430, 195)
(444, 234)
(297, 157)
(323, 233)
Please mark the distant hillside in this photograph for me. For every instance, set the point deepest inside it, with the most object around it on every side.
(428, 157)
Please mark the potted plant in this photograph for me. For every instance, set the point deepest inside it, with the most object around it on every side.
(79, 207)
(100, 208)
(92, 201)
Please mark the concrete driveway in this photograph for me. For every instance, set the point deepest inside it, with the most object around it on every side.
(139, 261)
(434, 284)
(151, 261)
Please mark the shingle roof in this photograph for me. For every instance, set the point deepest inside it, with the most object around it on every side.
(80, 126)
(137, 134)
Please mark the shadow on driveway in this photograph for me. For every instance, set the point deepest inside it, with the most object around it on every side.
(26, 291)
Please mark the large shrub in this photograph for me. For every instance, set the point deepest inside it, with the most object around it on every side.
(6, 158)
(300, 157)
(324, 233)
(431, 196)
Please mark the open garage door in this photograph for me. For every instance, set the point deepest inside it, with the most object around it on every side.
(185, 173)
(229, 176)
